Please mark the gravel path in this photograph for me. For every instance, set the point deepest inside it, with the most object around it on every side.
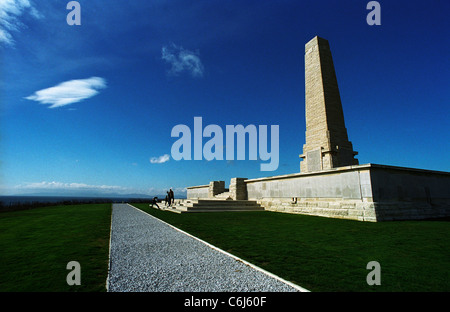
(148, 255)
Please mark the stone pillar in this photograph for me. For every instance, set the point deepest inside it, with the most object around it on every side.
(327, 145)
(216, 187)
(238, 189)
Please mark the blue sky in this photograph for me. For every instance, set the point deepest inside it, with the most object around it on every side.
(90, 108)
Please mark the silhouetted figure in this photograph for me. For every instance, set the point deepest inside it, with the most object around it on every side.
(169, 199)
(155, 202)
(171, 196)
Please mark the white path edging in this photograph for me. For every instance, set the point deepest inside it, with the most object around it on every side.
(109, 253)
(299, 288)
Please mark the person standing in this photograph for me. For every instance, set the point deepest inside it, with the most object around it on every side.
(168, 198)
(171, 196)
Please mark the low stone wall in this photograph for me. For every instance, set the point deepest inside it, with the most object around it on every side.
(364, 192)
(331, 208)
(200, 191)
(343, 193)
(407, 193)
(348, 183)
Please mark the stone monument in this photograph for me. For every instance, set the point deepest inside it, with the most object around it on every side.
(327, 145)
(331, 182)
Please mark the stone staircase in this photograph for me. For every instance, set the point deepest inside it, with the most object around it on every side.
(219, 203)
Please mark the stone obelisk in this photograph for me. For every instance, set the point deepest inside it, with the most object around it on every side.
(327, 145)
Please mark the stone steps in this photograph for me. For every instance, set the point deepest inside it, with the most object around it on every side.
(214, 205)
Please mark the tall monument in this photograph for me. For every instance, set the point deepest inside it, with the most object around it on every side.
(335, 185)
(327, 145)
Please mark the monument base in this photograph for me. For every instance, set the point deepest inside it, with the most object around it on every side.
(363, 192)
(357, 210)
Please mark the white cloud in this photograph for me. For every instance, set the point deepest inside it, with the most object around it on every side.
(69, 92)
(182, 60)
(179, 191)
(62, 187)
(10, 11)
(81, 189)
(160, 160)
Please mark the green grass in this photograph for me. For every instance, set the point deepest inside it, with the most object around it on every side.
(323, 254)
(319, 254)
(37, 244)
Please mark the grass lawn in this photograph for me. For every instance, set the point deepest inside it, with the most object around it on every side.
(323, 254)
(37, 244)
(319, 254)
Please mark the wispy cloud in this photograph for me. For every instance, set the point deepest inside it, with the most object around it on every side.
(70, 187)
(182, 60)
(82, 189)
(179, 191)
(69, 92)
(160, 160)
(10, 11)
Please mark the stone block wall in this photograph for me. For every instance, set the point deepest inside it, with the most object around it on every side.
(238, 189)
(364, 192)
(215, 188)
(198, 192)
(322, 207)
